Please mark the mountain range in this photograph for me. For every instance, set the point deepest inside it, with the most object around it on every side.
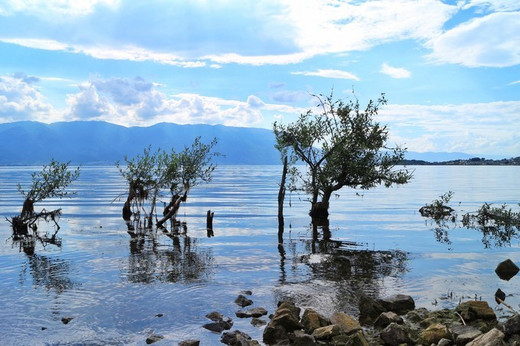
(96, 142)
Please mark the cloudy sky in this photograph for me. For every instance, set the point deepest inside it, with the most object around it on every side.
(450, 69)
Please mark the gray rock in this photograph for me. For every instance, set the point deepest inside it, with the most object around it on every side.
(243, 301)
(215, 316)
(394, 335)
(511, 326)
(303, 339)
(386, 318)
(444, 342)
(475, 310)
(399, 303)
(238, 338)
(189, 343)
(66, 320)
(492, 338)
(464, 334)
(255, 312)
(154, 338)
(369, 310)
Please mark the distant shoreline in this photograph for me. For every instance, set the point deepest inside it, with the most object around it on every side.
(476, 161)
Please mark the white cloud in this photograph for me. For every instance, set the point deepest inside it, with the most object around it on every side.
(395, 72)
(132, 102)
(487, 128)
(279, 33)
(54, 7)
(20, 99)
(491, 41)
(115, 52)
(328, 74)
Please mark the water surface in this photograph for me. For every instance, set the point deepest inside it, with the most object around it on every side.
(116, 287)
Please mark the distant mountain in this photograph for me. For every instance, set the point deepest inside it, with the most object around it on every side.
(96, 142)
(92, 142)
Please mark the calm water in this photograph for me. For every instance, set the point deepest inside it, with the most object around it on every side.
(115, 287)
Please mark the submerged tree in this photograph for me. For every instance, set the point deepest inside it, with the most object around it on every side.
(341, 145)
(51, 182)
(151, 173)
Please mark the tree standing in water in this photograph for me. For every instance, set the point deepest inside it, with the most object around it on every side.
(150, 173)
(341, 145)
(51, 182)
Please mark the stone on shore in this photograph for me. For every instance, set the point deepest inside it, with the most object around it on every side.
(189, 343)
(154, 338)
(369, 310)
(326, 333)
(383, 320)
(399, 303)
(394, 335)
(311, 320)
(345, 322)
(492, 338)
(238, 338)
(255, 312)
(464, 334)
(475, 310)
(433, 334)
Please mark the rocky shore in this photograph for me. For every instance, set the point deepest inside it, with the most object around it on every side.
(388, 321)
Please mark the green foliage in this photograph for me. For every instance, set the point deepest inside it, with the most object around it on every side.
(341, 145)
(150, 172)
(50, 182)
(498, 225)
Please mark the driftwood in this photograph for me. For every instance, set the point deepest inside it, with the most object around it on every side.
(209, 223)
(171, 209)
(281, 197)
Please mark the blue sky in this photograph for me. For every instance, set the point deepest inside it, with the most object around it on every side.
(450, 69)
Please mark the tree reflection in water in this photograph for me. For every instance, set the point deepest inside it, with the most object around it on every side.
(167, 257)
(347, 268)
(49, 273)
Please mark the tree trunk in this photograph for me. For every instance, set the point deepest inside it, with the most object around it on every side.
(320, 210)
(281, 197)
(209, 223)
(172, 208)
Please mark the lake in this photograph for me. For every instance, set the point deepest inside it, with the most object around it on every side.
(119, 290)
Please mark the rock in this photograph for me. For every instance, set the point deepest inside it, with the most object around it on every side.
(215, 327)
(255, 312)
(511, 326)
(215, 316)
(474, 310)
(243, 301)
(247, 292)
(500, 296)
(355, 339)
(66, 320)
(417, 315)
(290, 305)
(285, 320)
(399, 303)
(238, 338)
(255, 321)
(312, 320)
(433, 334)
(464, 334)
(444, 342)
(326, 333)
(395, 334)
(189, 343)
(369, 309)
(506, 269)
(303, 339)
(159, 315)
(386, 318)
(153, 338)
(345, 322)
(219, 326)
(492, 338)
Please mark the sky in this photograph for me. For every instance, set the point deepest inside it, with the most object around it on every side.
(449, 69)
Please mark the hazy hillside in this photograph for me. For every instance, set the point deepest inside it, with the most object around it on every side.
(104, 143)
(93, 142)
